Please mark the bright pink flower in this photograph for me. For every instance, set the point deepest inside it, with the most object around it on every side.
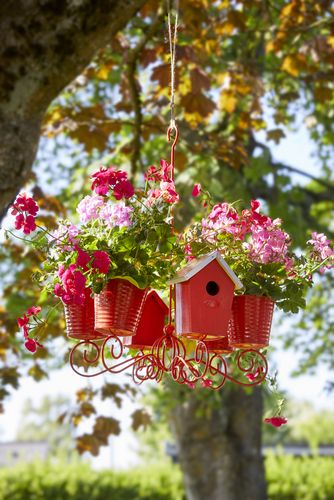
(101, 261)
(276, 421)
(253, 376)
(72, 290)
(153, 174)
(321, 247)
(32, 311)
(32, 344)
(191, 385)
(168, 193)
(123, 189)
(24, 203)
(196, 190)
(223, 218)
(82, 259)
(188, 252)
(22, 321)
(166, 171)
(25, 209)
(109, 178)
(206, 382)
(255, 205)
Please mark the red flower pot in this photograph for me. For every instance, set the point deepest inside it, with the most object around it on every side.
(80, 319)
(220, 346)
(251, 321)
(118, 308)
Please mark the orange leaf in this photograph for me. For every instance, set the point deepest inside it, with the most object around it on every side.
(198, 103)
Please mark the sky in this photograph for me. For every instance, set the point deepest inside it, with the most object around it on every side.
(296, 150)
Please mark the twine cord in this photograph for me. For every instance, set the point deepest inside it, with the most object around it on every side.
(172, 36)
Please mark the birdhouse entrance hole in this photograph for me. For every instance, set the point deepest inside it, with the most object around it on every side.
(212, 288)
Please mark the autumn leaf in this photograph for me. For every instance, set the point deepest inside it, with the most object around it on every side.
(140, 418)
(228, 101)
(89, 443)
(86, 409)
(37, 373)
(112, 391)
(294, 64)
(198, 103)
(85, 394)
(275, 135)
(104, 426)
(199, 80)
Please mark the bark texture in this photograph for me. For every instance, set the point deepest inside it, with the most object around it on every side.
(220, 446)
(44, 45)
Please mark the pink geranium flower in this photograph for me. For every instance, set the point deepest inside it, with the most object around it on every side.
(110, 178)
(32, 344)
(196, 190)
(25, 210)
(82, 259)
(101, 261)
(276, 421)
(153, 174)
(32, 311)
(72, 289)
(206, 382)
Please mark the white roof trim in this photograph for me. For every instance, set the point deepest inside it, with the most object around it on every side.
(197, 265)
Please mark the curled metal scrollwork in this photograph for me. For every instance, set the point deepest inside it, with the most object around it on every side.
(169, 356)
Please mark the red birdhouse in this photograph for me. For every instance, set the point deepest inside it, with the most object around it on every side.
(204, 291)
(151, 324)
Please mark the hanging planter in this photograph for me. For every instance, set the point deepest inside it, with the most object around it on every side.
(80, 319)
(220, 346)
(251, 321)
(118, 308)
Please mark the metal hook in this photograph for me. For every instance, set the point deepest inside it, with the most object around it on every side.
(172, 128)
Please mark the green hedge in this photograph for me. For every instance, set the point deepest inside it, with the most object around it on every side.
(288, 478)
(304, 478)
(80, 482)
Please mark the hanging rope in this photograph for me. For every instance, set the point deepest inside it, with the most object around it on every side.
(172, 36)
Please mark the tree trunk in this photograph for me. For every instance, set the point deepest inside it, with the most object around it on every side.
(44, 45)
(219, 440)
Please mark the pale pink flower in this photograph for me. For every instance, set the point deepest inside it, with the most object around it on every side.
(116, 215)
(88, 208)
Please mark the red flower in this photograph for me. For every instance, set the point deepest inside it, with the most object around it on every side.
(166, 171)
(206, 382)
(101, 261)
(276, 421)
(32, 344)
(197, 190)
(153, 174)
(22, 321)
(252, 376)
(32, 311)
(23, 203)
(107, 178)
(82, 259)
(25, 209)
(191, 385)
(72, 290)
(123, 189)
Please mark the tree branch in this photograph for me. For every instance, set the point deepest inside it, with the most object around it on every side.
(134, 86)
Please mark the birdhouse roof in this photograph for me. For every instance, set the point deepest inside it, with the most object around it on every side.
(161, 303)
(195, 266)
